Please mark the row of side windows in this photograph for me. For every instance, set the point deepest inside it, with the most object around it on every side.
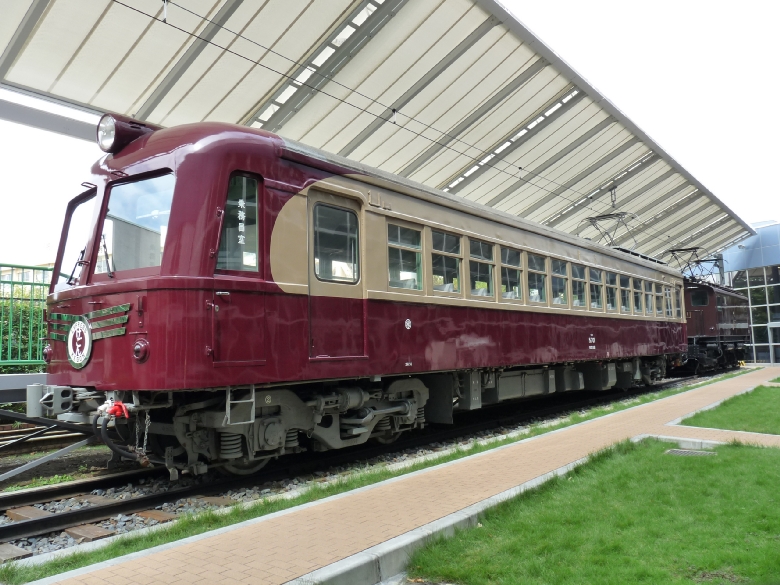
(491, 269)
(586, 286)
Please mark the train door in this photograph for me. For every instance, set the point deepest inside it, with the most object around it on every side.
(238, 303)
(336, 301)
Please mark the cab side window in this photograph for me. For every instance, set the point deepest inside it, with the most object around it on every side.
(238, 244)
(336, 244)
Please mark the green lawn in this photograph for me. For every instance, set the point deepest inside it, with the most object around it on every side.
(775, 381)
(757, 411)
(631, 515)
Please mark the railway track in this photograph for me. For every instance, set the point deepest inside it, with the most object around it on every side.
(28, 439)
(488, 418)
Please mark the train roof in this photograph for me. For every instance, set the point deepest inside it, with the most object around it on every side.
(302, 153)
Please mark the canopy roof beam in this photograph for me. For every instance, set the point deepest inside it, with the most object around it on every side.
(504, 148)
(673, 233)
(20, 114)
(560, 155)
(422, 83)
(487, 107)
(571, 183)
(23, 32)
(189, 57)
(310, 77)
(632, 170)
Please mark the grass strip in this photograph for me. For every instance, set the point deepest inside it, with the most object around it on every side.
(190, 525)
(775, 381)
(757, 411)
(629, 515)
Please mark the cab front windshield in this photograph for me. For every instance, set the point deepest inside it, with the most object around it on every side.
(135, 226)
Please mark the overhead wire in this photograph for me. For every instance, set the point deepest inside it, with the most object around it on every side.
(443, 134)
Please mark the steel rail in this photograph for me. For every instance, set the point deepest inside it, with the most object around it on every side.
(307, 464)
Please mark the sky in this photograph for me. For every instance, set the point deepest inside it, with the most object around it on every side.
(699, 77)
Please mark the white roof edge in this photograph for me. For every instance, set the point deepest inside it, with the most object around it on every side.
(525, 34)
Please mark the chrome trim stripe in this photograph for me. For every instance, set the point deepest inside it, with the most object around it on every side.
(107, 322)
(108, 311)
(108, 333)
(64, 317)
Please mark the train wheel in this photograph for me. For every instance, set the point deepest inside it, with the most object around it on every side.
(388, 440)
(245, 468)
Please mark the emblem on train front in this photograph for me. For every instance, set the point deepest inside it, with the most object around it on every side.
(78, 332)
(79, 343)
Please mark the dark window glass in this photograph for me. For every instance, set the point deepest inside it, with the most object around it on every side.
(625, 300)
(510, 283)
(756, 277)
(578, 271)
(336, 244)
(595, 275)
(402, 236)
(447, 243)
(625, 281)
(238, 247)
(637, 296)
(761, 334)
(611, 298)
(480, 250)
(773, 274)
(559, 290)
(611, 278)
(446, 273)
(595, 296)
(758, 296)
(405, 268)
(759, 316)
(511, 257)
(699, 298)
(668, 301)
(774, 317)
(537, 290)
(538, 263)
(559, 268)
(739, 279)
(136, 225)
(678, 302)
(773, 294)
(481, 279)
(578, 293)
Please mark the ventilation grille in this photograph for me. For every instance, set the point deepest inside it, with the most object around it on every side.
(689, 452)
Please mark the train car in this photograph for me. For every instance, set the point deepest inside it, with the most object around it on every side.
(718, 326)
(234, 296)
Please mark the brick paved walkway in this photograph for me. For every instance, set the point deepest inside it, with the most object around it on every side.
(292, 544)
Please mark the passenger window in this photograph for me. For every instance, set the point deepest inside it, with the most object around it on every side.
(481, 268)
(446, 266)
(511, 274)
(659, 300)
(625, 294)
(238, 246)
(336, 244)
(560, 273)
(578, 286)
(404, 257)
(637, 296)
(668, 301)
(611, 291)
(648, 298)
(678, 302)
(596, 289)
(537, 278)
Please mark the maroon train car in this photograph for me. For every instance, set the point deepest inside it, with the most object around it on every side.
(718, 326)
(234, 296)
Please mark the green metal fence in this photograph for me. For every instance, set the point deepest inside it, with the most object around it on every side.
(23, 291)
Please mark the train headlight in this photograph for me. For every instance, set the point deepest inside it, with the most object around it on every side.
(115, 131)
(106, 133)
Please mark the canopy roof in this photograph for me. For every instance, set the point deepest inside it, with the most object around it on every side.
(455, 94)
